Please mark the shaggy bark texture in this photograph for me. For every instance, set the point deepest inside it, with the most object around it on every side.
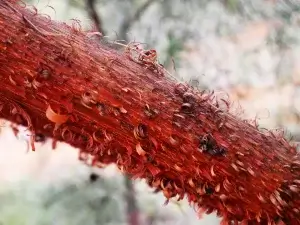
(123, 108)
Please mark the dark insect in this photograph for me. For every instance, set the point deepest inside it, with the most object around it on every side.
(187, 108)
(150, 158)
(101, 108)
(217, 151)
(189, 97)
(156, 190)
(93, 177)
(209, 190)
(39, 137)
(180, 89)
(209, 145)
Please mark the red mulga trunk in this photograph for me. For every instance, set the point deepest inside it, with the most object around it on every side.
(61, 83)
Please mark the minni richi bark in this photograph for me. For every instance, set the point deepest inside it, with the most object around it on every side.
(124, 108)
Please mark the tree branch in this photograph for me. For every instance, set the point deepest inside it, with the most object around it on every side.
(131, 20)
(61, 83)
(91, 7)
(132, 208)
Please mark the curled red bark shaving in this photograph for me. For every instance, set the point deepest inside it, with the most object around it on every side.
(181, 141)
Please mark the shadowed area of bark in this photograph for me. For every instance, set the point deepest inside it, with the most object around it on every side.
(60, 82)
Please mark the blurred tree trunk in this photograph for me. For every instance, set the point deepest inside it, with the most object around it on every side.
(132, 207)
(59, 82)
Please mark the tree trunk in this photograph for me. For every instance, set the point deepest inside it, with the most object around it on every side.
(132, 207)
(58, 81)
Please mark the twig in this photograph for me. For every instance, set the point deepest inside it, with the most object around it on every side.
(12, 8)
(32, 25)
(26, 20)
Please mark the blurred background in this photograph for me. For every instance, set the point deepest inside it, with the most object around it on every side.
(248, 49)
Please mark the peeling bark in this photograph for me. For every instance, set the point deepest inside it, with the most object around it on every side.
(61, 83)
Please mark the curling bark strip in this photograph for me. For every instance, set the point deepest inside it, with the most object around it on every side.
(61, 83)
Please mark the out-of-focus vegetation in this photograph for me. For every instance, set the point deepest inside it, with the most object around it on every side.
(69, 203)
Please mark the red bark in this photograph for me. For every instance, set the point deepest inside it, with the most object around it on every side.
(119, 111)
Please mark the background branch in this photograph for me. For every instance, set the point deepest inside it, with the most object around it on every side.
(91, 7)
(131, 20)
